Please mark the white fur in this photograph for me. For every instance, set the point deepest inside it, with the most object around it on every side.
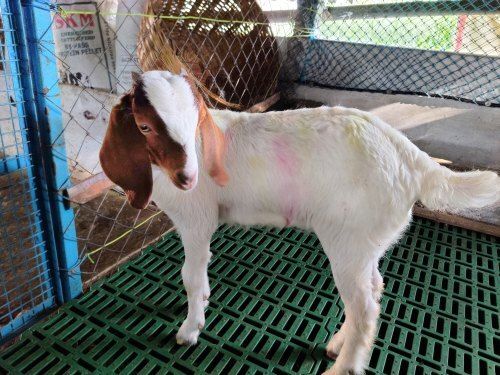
(341, 172)
(174, 102)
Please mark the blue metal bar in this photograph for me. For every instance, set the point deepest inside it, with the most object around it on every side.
(28, 318)
(24, 94)
(13, 163)
(38, 30)
(42, 122)
(23, 143)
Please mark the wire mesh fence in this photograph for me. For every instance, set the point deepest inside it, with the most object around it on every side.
(438, 48)
(228, 47)
(469, 27)
(236, 51)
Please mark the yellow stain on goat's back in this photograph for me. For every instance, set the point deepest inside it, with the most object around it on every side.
(259, 172)
(355, 130)
(257, 162)
(305, 130)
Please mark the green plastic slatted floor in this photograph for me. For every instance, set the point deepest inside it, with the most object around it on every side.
(273, 308)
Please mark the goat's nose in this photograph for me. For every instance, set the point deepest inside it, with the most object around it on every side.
(187, 182)
(182, 178)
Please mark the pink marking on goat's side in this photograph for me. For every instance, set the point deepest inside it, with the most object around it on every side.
(288, 164)
(289, 215)
(228, 138)
(286, 158)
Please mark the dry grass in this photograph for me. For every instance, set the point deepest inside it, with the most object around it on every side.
(235, 64)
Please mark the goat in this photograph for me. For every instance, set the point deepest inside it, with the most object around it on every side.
(343, 173)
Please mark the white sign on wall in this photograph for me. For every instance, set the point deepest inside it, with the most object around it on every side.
(84, 46)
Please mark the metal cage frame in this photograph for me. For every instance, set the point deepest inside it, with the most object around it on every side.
(28, 40)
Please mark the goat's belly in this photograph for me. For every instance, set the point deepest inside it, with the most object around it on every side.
(230, 215)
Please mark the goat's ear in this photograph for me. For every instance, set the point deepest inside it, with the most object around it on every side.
(213, 143)
(136, 78)
(124, 156)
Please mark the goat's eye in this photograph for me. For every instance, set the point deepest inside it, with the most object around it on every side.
(144, 128)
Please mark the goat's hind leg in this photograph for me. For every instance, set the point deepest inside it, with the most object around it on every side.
(377, 282)
(337, 341)
(352, 267)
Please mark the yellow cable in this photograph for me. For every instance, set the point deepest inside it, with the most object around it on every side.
(303, 32)
(173, 18)
(88, 255)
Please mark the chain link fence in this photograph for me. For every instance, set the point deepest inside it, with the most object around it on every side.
(230, 49)
(439, 48)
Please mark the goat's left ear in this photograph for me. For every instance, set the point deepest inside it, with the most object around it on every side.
(124, 156)
(213, 143)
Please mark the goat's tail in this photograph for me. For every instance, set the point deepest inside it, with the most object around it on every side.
(443, 189)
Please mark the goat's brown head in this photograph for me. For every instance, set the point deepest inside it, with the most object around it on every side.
(158, 122)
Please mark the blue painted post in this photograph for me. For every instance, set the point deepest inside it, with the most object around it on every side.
(22, 114)
(47, 101)
(305, 24)
(18, 57)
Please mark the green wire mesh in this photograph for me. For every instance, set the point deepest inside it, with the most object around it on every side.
(273, 308)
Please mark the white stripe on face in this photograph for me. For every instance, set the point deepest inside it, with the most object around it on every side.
(175, 103)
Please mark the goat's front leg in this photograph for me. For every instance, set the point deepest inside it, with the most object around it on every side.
(195, 279)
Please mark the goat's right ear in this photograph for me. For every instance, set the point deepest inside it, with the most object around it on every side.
(124, 156)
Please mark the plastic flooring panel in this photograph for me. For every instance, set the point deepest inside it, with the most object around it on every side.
(273, 308)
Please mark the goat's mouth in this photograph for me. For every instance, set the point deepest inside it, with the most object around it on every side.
(184, 182)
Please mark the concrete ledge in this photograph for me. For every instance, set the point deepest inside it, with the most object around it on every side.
(466, 134)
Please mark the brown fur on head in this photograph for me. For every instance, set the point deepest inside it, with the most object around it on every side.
(138, 135)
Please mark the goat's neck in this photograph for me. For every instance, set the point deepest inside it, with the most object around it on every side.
(224, 118)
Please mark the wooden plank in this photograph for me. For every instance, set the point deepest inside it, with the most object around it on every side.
(457, 220)
(442, 161)
(89, 189)
(264, 105)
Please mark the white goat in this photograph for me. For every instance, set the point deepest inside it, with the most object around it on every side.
(340, 172)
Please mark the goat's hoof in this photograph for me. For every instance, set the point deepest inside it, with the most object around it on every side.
(189, 339)
(188, 336)
(331, 354)
(335, 346)
(333, 371)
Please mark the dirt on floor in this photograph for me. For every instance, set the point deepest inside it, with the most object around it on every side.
(24, 279)
(109, 230)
